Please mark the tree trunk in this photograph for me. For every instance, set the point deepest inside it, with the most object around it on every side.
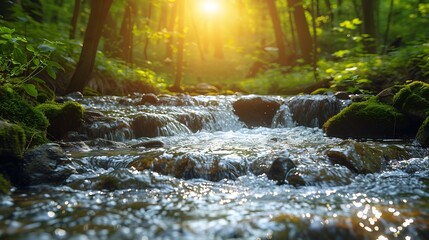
(75, 17)
(330, 12)
(169, 50)
(127, 32)
(82, 75)
(389, 22)
(314, 5)
(181, 47)
(304, 37)
(369, 26)
(148, 17)
(282, 58)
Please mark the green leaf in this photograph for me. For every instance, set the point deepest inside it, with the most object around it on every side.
(19, 56)
(36, 62)
(30, 89)
(7, 36)
(46, 48)
(6, 30)
(30, 48)
(51, 72)
(54, 64)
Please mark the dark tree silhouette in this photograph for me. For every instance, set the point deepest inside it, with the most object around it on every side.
(369, 27)
(304, 37)
(82, 75)
(180, 47)
(282, 58)
(75, 17)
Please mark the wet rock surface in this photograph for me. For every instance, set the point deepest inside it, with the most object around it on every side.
(47, 164)
(256, 111)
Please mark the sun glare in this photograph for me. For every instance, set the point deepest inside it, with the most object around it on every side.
(210, 6)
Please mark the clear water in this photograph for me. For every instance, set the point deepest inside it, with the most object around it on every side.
(212, 184)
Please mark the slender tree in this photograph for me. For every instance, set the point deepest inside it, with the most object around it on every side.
(389, 22)
(369, 26)
(330, 12)
(126, 32)
(148, 17)
(304, 37)
(170, 30)
(82, 74)
(180, 47)
(74, 19)
(282, 58)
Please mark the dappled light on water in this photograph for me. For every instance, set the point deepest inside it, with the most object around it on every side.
(213, 180)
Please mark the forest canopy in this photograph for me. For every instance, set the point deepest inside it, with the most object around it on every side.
(226, 46)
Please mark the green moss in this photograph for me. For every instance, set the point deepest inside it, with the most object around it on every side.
(369, 119)
(12, 140)
(63, 117)
(413, 100)
(322, 91)
(87, 91)
(423, 133)
(4, 185)
(17, 110)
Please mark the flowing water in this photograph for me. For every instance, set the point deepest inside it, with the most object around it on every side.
(198, 173)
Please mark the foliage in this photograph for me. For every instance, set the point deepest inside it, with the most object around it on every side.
(22, 61)
(17, 110)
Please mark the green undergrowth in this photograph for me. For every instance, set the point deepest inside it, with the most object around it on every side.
(16, 109)
(368, 74)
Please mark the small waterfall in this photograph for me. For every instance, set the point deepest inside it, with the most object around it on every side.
(123, 118)
(283, 118)
(314, 110)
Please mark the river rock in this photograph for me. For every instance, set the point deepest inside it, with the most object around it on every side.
(203, 89)
(370, 119)
(47, 164)
(62, 118)
(362, 157)
(256, 111)
(314, 110)
(422, 136)
(342, 95)
(279, 169)
(12, 145)
(149, 99)
(413, 100)
(12, 141)
(149, 144)
(97, 125)
(323, 175)
(101, 143)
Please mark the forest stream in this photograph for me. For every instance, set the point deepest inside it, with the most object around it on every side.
(188, 168)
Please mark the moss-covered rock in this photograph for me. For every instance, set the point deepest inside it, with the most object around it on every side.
(12, 140)
(63, 117)
(12, 146)
(364, 157)
(413, 100)
(4, 185)
(370, 119)
(17, 110)
(422, 136)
